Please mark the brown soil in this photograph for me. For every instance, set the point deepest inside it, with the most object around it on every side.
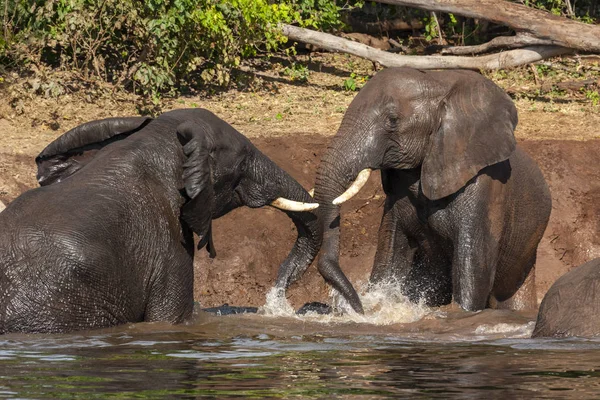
(291, 123)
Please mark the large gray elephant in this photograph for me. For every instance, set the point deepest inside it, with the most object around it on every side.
(571, 307)
(465, 207)
(108, 238)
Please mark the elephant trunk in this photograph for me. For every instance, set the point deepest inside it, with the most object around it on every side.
(278, 184)
(342, 164)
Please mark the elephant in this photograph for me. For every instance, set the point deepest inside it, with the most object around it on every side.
(465, 207)
(108, 237)
(571, 307)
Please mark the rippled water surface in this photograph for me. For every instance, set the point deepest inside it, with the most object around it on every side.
(441, 355)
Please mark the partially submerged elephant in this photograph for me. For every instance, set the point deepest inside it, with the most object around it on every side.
(571, 307)
(108, 239)
(465, 207)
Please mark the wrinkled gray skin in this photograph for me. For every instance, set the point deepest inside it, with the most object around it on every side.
(108, 239)
(465, 207)
(571, 307)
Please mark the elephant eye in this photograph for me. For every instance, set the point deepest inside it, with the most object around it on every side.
(392, 123)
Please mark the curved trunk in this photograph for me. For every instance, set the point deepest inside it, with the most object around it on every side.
(344, 159)
(275, 183)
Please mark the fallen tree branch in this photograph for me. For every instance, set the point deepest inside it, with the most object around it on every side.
(397, 47)
(507, 59)
(500, 42)
(558, 30)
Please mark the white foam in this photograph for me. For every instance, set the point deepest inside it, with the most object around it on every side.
(510, 330)
(383, 304)
(276, 304)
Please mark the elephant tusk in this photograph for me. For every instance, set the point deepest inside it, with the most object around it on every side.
(361, 180)
(312, 192)
(291, 205)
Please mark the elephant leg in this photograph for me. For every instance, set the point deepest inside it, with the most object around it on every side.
(171, 296)
(474, 264)
(525, 298)
(394, 256)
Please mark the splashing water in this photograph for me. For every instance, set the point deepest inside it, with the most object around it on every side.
(513, 330)
(384, 304)
(276, 304)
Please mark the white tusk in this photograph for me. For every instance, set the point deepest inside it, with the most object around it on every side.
(312, 192)
(2, 206)
(361, 180)
(291, 205)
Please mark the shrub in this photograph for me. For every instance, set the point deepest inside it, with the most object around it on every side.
(152, 45)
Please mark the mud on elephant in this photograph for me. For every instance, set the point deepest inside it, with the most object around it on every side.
(108, 238)
(465, 207)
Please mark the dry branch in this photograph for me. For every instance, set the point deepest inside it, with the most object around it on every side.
(558, 30)
(500, 42)
(511, 58)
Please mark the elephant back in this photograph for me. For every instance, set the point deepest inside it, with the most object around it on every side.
(572, 305)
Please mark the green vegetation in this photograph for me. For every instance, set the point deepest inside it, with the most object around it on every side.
(297, 72)
(593, 96)
(355, 82)
(163, 47)
(151, 46)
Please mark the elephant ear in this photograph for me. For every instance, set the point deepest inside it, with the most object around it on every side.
(476, 130)
(75, 148)
(197, 139)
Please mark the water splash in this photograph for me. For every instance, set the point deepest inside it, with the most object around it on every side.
(384, 304)
(509, 330)
(276, 304)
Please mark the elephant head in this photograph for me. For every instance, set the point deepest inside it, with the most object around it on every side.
(224, 170)
(450, 124)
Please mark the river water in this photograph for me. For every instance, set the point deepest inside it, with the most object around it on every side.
(404, 351)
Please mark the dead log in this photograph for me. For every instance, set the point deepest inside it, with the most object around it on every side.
(558, 30)
(507, 59)
(500, 42)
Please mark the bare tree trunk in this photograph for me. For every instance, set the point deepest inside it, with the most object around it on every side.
(570, 11)
(506, 59)
(558, 30)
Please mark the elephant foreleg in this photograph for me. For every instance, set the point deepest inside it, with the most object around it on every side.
(394, 256)
(474, 266)
(171, 295)
(525, 298)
